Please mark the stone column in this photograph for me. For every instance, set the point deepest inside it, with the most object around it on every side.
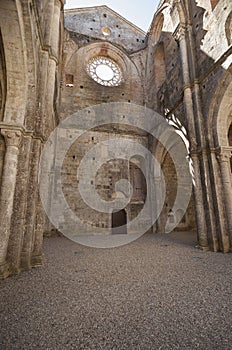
(48, 21)
(19, 207)
(199, 204)
(221, 226)
(180, 35)
(216, 225)
(55, 29)
(12, 140)
(224, 162)
(159, 226)
(37, 256)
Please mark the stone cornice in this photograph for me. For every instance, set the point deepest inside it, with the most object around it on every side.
(21, 130)
(222, 153)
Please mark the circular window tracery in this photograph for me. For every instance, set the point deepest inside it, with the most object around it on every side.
(104, 71)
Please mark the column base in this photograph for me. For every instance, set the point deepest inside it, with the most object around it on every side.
(37, 260)
(225, 244)
(203, 248)
(4, 270)
(14, 270)
(25, 263)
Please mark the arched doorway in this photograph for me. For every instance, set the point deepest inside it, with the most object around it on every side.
(119, 222)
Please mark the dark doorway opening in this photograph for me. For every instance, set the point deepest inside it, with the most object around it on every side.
(119, 222)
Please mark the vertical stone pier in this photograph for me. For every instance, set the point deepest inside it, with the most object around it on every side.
(12, 141)
(224, 161)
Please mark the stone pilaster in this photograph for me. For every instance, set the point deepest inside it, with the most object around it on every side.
(218, 203)
(28, 243)
(12, 141)
(37, 256)
(42, 92)
(224, 162)
(199, 205)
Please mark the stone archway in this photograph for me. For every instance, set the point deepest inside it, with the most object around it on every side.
(218, 125)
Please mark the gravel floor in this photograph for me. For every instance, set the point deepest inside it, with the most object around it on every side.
(159, 292)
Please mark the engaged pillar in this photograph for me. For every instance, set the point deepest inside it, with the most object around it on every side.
(12, 142)
(224, 161)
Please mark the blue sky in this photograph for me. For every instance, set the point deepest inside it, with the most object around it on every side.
(138, 12)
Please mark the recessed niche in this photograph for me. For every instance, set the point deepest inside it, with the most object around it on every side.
(69, 80)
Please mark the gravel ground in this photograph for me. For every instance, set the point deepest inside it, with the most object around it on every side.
(159, 292)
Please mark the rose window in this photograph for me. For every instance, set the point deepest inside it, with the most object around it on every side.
(104, 71)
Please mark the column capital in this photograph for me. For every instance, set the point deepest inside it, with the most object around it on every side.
(12, 137)
(224, 154)
(179, 33)
(59, 3)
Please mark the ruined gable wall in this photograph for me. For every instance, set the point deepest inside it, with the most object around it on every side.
(80, 46)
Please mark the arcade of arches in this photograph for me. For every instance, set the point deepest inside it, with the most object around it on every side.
(54, 63)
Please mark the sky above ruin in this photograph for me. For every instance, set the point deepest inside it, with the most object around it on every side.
(138, 12)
